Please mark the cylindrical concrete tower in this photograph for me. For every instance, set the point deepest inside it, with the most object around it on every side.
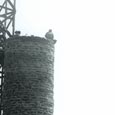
(28, 82)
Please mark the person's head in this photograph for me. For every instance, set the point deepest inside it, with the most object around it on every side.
(50, 30)
(17, 33)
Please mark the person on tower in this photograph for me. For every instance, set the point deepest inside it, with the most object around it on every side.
(49, 34)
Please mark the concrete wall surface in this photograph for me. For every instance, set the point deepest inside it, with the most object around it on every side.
(28, 82)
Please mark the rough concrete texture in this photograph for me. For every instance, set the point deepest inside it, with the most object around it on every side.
(28, 83)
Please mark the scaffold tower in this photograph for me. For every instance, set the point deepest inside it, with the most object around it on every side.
(7, 28)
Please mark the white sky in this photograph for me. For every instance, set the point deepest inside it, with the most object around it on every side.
(84, 54)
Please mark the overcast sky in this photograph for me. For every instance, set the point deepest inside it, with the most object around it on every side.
(84, 52)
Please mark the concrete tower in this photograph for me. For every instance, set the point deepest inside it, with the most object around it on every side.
(28, 81)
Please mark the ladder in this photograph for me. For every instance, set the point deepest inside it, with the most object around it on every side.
(1, 78)
(1, 90)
